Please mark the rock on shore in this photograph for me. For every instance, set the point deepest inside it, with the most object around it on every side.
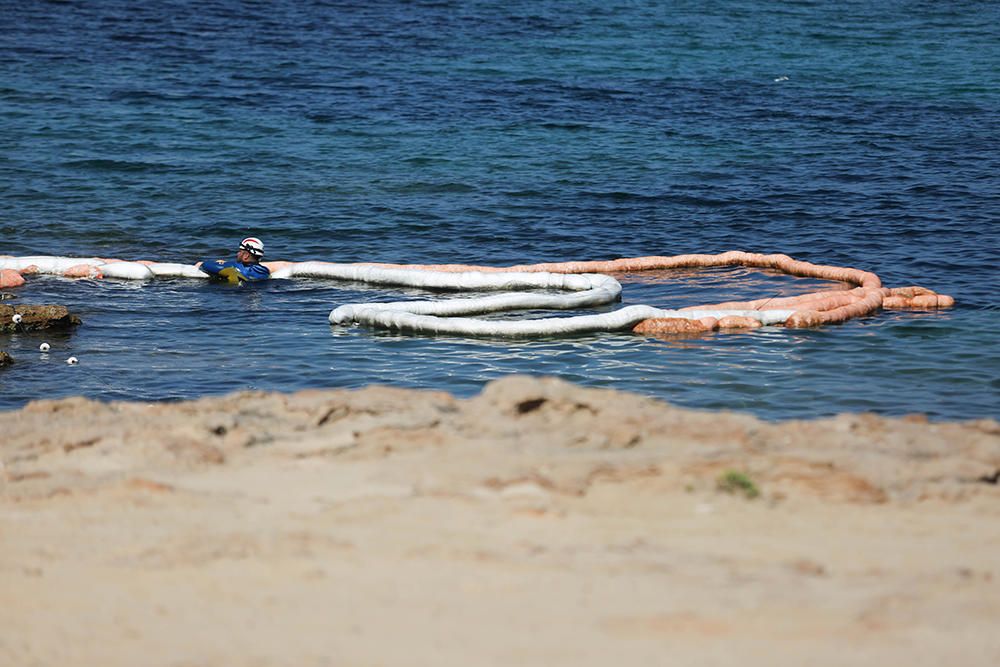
(538, 523)
(34, 318)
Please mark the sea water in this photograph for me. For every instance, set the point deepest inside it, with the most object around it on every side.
(864, 134)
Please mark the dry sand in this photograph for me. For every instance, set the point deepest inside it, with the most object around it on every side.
(538, 523)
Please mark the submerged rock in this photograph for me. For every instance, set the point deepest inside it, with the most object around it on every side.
(34, 318)
(5, 359)
(5, 296)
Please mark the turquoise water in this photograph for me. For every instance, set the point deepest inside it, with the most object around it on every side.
(857, 133)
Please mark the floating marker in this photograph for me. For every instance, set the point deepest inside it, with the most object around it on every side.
(17, 318)
(72, 361)
(44, 347)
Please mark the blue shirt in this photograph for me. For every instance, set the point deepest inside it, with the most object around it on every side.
(235, 272)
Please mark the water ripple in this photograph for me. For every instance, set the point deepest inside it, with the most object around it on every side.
(850, 134)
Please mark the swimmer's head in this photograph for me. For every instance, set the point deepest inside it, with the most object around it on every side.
(253, 247)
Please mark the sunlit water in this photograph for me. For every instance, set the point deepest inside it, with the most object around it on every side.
(863, 134)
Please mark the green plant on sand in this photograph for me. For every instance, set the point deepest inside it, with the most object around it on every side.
(734, 481)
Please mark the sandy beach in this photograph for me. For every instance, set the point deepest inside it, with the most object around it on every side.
(538, 523)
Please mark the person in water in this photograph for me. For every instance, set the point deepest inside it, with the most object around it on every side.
(245, 268)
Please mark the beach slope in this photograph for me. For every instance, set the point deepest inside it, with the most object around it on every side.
(538, 523)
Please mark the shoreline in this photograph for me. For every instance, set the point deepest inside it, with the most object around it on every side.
(537, 522)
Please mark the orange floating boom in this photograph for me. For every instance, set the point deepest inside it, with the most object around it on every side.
(813, 309)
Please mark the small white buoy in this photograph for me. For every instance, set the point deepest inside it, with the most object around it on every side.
(44, 347)
(72, 360)
(17, 318)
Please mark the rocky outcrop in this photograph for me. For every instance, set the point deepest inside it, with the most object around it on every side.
(35, 318)
(556, 435)
(538, 523)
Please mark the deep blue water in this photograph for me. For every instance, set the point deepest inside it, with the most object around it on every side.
(857, 133)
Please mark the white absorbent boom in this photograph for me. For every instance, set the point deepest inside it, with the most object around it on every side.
(560, 286)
